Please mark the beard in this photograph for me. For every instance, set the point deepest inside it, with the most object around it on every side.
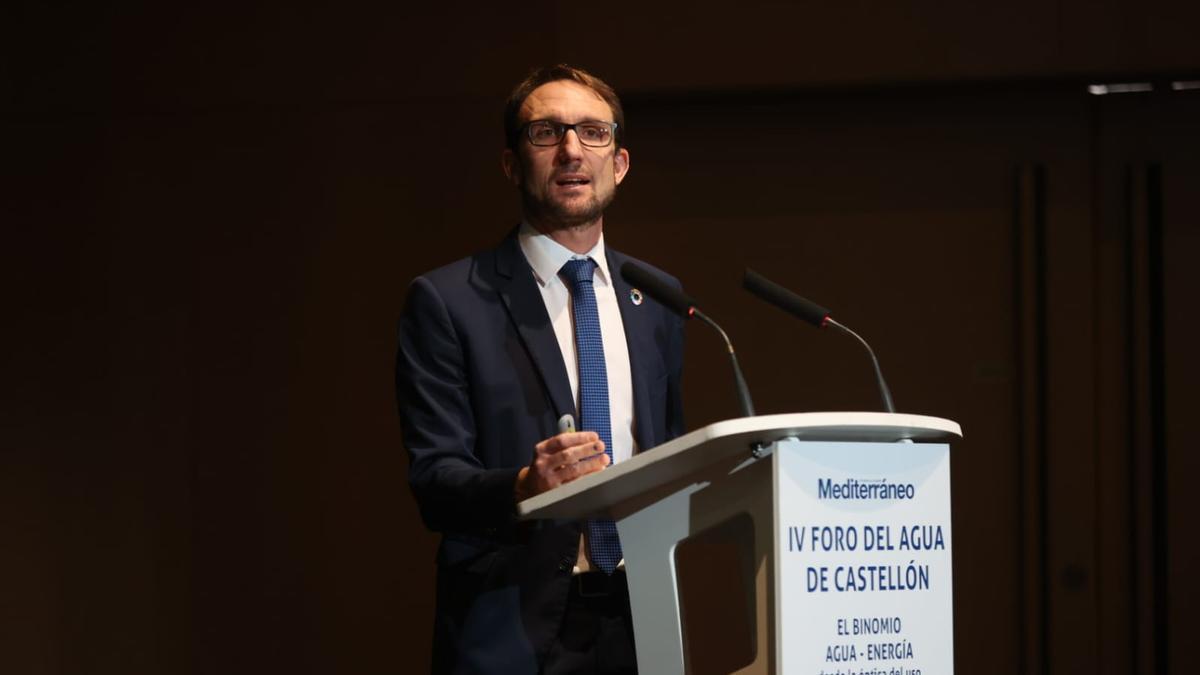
(559, 214)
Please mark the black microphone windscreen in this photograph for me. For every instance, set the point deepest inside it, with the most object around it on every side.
(784, 299)
(656, 287)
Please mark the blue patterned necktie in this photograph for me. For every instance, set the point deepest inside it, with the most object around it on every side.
(604, 547)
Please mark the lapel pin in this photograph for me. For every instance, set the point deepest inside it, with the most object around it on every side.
(636, 296)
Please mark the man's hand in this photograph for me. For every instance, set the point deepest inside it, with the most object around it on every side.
(561, 459)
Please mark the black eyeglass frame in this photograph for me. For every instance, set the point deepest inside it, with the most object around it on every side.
(562, 128)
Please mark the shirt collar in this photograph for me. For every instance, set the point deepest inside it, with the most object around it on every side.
(547, 256)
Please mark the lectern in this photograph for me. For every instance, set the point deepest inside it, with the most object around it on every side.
(798, 543)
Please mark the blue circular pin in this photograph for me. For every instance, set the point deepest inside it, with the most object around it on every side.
(636, 296)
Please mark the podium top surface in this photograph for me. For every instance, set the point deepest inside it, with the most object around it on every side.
(594, 493)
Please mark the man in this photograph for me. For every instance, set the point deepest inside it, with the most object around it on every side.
(495, 350)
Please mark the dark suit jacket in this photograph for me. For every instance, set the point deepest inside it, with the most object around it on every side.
(480, 380)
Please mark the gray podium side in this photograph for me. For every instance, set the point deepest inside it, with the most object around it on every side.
(720, 478)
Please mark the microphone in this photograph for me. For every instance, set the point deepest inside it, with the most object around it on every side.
(675, 300)
(815, 314)
(654, 286)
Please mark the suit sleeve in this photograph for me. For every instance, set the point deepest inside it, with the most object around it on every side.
(454, 491)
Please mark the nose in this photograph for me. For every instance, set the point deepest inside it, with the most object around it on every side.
(570, 149)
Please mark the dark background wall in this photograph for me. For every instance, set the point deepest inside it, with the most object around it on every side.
(211, 217)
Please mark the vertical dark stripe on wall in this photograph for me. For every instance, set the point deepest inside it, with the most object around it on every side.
(1131, 441)
(1039, 225)
(1019, 344)
(1029, 258)
(1145, 364)
(1158, 428)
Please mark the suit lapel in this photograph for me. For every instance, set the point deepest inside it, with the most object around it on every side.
(521, 296)
(639, 338)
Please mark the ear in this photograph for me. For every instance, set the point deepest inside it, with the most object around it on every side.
(511, 165)
(620, 165)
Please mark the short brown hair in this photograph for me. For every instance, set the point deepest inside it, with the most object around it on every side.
(546, 74)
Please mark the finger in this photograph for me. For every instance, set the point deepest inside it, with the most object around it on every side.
(579, 469)
(563, 441)
(578, 453)
(585, 451)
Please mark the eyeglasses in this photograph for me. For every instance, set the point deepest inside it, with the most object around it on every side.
(591, 134)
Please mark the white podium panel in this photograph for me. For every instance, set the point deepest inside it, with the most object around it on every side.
(863, 558)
